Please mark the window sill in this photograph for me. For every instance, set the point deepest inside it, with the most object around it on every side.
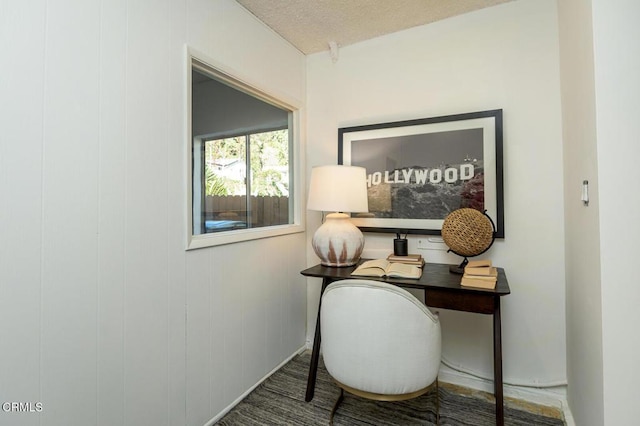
(236, 236)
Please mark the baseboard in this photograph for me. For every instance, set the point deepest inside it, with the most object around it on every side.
(554, 398)
(222, 413)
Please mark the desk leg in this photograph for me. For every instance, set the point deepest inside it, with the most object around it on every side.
(497, 364)
(315, 354)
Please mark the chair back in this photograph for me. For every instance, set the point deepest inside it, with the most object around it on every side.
(378, 338)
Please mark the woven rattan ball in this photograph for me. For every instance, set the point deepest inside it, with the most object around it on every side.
(467, 232)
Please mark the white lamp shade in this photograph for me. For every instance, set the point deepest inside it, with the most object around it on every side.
(338, 188)
(338, 242)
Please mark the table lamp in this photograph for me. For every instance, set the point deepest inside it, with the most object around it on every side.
(340, 190)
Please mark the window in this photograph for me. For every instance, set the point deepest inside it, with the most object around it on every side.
(242, 161)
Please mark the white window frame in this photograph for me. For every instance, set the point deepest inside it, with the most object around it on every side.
(233, 78)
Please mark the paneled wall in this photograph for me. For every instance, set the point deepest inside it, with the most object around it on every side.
(104, 317)
(616, 41)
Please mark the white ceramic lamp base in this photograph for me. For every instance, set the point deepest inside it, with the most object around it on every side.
(338, 242)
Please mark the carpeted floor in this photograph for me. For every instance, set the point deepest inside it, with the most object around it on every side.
(280, 401)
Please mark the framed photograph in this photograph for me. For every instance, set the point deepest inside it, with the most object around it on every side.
(418, 171)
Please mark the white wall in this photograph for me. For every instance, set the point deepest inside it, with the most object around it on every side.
(616, 38)
(600, 109)
(104, 318)
(583, 283)
(502, 57)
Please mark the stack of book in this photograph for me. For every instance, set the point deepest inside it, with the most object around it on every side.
(479, 274)
(410, 259)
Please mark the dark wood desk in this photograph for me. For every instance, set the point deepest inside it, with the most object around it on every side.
(442, 290)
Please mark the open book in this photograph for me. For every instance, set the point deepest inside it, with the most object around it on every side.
(384, 268)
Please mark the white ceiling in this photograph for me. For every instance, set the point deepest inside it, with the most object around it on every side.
(310, 25)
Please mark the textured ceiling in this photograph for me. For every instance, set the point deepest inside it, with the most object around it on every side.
(310, 25)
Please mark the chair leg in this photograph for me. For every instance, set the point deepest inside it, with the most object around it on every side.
(437, 403)
(335, 406)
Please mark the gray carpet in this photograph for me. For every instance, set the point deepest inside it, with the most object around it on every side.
(280, 401)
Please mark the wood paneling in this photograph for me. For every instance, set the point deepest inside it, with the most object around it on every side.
(22, 33)
(104, 317)
(70, 207)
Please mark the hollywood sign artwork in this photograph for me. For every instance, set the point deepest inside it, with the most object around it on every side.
(422, 176)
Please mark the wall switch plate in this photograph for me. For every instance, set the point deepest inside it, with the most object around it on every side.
(422, 243)
(431, 243)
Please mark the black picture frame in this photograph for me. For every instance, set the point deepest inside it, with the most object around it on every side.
(420, 170)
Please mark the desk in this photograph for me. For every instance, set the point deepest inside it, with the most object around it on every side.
(442, 290)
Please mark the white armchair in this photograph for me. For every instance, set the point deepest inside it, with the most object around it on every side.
(379, 341)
